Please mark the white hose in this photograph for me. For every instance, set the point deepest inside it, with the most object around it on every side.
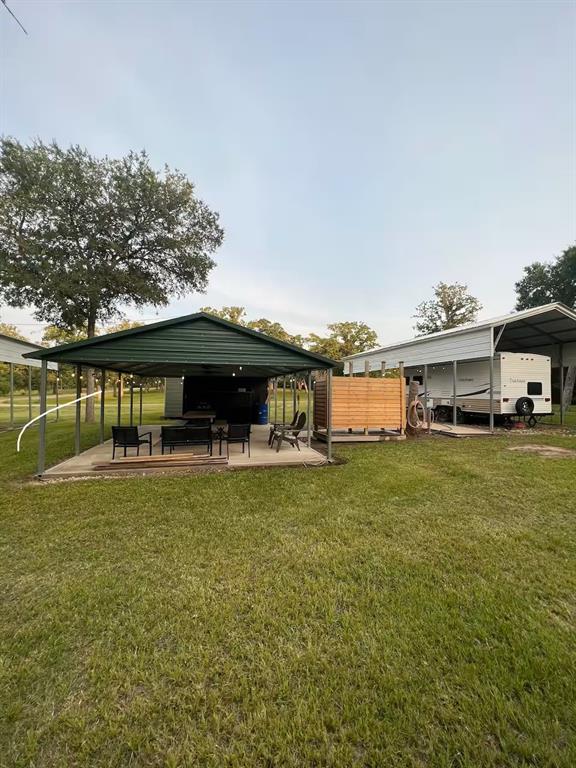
(51, 410)
(414, 419)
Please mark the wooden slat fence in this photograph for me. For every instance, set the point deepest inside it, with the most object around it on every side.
(361, 403)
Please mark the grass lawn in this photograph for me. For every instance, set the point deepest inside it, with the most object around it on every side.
(415, 606)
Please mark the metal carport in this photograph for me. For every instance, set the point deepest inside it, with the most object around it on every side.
(199, 344)
(12, 352)
(547, 330)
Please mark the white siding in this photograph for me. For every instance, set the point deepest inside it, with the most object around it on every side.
(444, 349)
(12, 351)
(173, 393)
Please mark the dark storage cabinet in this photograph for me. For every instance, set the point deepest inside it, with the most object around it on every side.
(234, 399)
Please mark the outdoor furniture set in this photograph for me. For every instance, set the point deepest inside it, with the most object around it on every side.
(187, 436)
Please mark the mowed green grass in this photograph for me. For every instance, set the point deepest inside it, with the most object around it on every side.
(414, 606)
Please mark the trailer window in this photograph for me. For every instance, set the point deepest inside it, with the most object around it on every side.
(534, 387)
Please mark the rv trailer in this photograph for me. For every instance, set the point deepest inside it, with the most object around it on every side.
(522, 386)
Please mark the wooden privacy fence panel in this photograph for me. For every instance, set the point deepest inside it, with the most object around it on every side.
(361, 403)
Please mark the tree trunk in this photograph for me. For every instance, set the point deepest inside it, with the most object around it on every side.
(91, 332)
(569, 383)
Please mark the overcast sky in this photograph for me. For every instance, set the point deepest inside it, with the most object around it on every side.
(358, 153)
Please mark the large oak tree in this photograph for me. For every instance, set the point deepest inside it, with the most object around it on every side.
(81, 236)
(545, 282)
(451, 306)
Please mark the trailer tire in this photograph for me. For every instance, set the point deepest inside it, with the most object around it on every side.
(524, 406)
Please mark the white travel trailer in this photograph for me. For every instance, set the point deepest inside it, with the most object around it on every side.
(546, 333)
(522, 386)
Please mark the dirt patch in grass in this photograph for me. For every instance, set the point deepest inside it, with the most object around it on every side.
(547, 451)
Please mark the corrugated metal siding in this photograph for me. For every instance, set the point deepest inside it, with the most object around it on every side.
(173, 398)
(11, 351)
(473, 344)
(199, 342)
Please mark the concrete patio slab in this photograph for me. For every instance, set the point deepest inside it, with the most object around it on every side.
(260, 455)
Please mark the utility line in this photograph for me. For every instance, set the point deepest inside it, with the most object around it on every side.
(16, 19)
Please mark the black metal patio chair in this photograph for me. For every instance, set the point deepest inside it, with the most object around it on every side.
(289, 434)
(238, 433)
(129, 437)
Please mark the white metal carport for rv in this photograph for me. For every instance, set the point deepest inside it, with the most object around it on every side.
(547, 330)
(12, 352)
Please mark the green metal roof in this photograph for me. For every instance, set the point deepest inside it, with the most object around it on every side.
(198, 344)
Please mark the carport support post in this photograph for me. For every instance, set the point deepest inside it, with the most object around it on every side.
(329, 414)
(11, 368)
(42, 435)
(78, 406)
(284, 400)
(131, 402)
(367, 375)
(454, 381)
(119, 385)
(426, 408)
(140, 414)
(561, 362)
(57, 395)
(492, 393)
(402, 389)
(276, 400)
(30, 393)
(309, 436)
(102, 404)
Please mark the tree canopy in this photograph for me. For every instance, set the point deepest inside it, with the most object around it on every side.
(233, 314)
(343, 339)
(545, 282)
(269, 327)
(82, 236)
(451, 306)
(7, 329)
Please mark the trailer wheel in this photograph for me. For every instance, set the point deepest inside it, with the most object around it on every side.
(524, 406)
